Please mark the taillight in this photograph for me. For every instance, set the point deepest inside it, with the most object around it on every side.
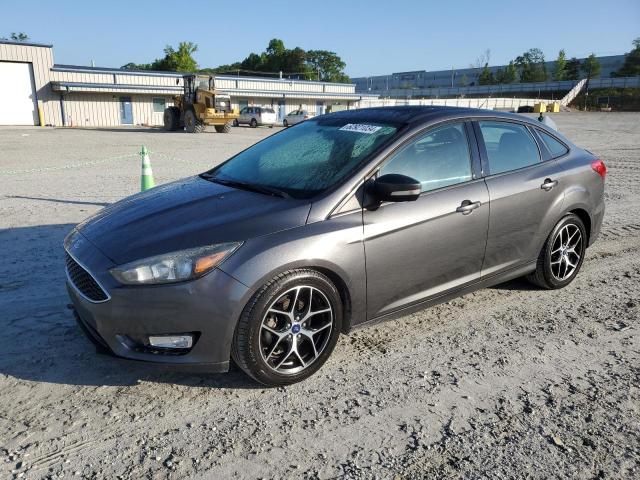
(599, 167)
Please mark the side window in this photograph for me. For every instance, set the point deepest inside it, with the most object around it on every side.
(437, 159)
(556, 147)
(509, 146)
(244, 110)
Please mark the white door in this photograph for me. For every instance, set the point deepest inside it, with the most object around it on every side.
(17, 98)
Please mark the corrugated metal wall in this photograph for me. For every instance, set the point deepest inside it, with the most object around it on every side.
(103, 110)
(276, 85)
(41, 59)
(59, 75)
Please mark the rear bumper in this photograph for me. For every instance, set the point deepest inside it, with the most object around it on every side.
(597, 216)
(207, 308)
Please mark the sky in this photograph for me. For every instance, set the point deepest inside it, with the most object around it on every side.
(373, 37)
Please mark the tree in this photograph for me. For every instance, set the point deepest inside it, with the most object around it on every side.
(295, 62)
(17, 37)
(486, 76)
(591, 66)
(327, 66)
(572, 70)
(180, 60)
(136, 66)
(531, 66)
(275, 48)
(631, 65)
(560, 67)
(508, 75)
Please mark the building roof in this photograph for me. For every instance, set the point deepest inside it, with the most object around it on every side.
(25, 44)
(121, 71)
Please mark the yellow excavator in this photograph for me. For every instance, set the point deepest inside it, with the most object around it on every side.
(200, 105)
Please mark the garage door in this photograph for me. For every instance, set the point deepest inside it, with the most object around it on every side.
(17, 98)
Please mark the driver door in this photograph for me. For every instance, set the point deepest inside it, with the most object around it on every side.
(419, 250)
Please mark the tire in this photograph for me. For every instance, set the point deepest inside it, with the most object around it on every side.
(271, 126)
(285, 124)
(272, 344)
(253, 123)
(192, 124)
(171, 118)
(235, 123)
(562, 255)
(226, 128)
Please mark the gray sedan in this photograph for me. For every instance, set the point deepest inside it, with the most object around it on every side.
(344, 219)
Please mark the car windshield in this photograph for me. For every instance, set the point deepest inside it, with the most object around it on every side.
(307, 159)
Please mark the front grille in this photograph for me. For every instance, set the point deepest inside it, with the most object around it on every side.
(84, 282)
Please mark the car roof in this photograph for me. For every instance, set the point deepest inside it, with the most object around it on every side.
(419, 114)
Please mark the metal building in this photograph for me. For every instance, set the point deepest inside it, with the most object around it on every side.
(456, 77)
(36, 91)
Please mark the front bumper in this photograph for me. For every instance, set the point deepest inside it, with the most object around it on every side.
(207, 307)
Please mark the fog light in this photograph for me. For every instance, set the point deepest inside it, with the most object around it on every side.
(171, 341)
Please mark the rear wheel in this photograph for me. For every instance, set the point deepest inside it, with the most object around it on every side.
(171, 118)
(226, 128)
(289, 328)
(192, 124)
(561, 257)
(253, 123)
(235, 123)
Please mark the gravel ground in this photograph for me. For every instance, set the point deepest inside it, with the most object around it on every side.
(507, 382)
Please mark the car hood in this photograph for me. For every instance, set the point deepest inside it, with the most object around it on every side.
(188, 213)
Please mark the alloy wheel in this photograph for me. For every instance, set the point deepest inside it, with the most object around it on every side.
(296, 329)
(566, 252)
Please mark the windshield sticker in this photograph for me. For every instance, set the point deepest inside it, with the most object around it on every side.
(360, 128)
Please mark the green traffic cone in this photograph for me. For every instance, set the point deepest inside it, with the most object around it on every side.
(146, 181)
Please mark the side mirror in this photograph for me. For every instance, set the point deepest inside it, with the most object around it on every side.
(394, 187)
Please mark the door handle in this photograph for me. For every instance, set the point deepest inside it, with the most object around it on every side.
(467, 206)
(548, 184)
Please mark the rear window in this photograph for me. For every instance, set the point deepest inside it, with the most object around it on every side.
(556, 147)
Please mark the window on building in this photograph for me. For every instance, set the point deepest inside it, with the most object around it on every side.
(159, 104)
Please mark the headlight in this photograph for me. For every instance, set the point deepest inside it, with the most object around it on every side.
(175, 266)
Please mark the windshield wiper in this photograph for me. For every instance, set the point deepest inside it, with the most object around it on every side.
(265, 190)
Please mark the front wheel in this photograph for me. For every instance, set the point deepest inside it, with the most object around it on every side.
(285, 124)
(226, 128)
(562, 254)
(253, 123)
(192, 124)
(235, 123)
(289, 328)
